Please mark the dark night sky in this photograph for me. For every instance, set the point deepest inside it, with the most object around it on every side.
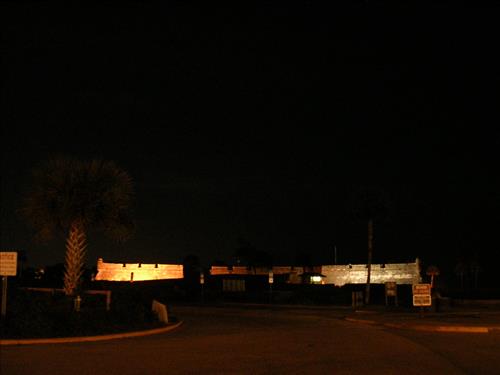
(261, 123)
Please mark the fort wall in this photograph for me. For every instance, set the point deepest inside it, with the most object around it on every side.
(137, 271)
(262, 271)
(401, 273)
(339, 275)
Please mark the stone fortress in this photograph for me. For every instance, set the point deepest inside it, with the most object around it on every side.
(401, 273)
(137, 271)
(338, 275)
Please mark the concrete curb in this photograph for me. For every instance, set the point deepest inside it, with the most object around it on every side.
(428, 328)
(280, 306)
(436, 328)
(65, 340)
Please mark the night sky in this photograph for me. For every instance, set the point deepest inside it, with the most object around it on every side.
(263, 124)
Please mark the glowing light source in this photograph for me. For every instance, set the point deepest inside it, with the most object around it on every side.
(316, 279)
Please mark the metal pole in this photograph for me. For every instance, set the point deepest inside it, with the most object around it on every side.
(271, 281)
(202, 282)
(369, 265)
(4, 296)
(108, 300)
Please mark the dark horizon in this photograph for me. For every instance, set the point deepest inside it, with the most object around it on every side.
(261, 124)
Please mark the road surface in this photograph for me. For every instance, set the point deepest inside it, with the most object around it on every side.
(264, 341)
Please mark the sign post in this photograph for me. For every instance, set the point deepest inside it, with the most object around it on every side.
(8, 267)
(4, 296)
(432, 271)
(202, 283)
(391, 290)
(271, 281)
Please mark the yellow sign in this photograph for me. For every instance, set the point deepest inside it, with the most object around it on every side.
(421, 288)
(422, 300)
(422, 295)
(8, 263)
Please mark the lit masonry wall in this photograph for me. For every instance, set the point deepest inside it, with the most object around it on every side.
(401, 273)
(294, 273)
(238, 270)
(137, 271)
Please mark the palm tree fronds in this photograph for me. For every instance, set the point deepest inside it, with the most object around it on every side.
(73, 195)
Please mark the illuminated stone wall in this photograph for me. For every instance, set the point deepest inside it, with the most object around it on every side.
(401, 273)
(277, 270)
(137, 271)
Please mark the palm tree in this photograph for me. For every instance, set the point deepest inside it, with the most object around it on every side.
(70, 196)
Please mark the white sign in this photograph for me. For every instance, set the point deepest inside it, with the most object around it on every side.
(422, 295)
(391, 289)
(8, 263)
(422, 300)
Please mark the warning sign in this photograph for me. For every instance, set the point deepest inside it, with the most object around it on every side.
(422, 300)
(422, 295)
(8, 263)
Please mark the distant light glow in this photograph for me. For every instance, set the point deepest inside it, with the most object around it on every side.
(316, 279)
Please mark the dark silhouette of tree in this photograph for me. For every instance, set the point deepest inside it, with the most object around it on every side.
(192, 269)
(468, 273)
(244, 252)
(247, 254)
(475, 269)
(461, 270)
(70, 196)
(303, 259)
(22, 259)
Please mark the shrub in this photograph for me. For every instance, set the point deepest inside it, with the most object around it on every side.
(38, 314)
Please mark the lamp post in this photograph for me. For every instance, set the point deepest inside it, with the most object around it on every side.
(271, 281)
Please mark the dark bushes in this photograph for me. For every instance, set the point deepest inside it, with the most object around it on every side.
(39, 314)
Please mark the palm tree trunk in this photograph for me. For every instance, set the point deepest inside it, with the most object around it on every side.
(75, 253)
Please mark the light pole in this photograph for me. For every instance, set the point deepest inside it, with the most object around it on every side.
(369, 265)
(271, 281)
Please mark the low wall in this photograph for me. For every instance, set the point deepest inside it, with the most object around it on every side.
(401, 273)
(277, 270)
(137, 271)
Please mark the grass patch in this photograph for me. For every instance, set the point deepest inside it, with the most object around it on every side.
(41, 315)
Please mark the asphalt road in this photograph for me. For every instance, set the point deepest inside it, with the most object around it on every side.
(263, 341)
